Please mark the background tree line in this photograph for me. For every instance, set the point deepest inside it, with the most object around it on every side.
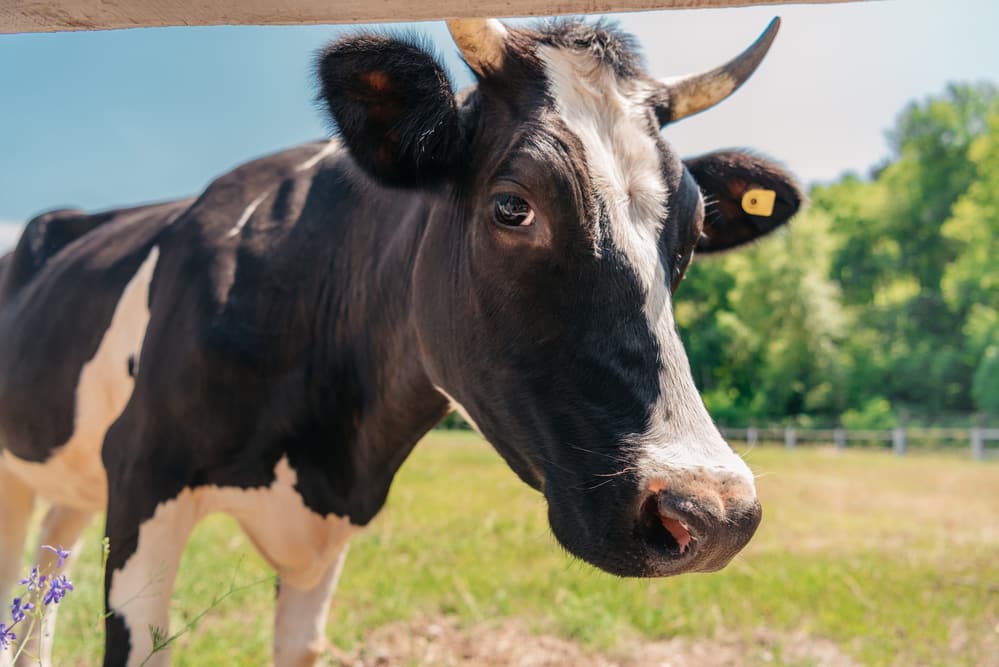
(880, 303)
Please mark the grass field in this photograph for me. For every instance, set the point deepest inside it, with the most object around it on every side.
(894, 560)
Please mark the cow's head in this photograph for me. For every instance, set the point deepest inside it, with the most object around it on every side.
(560, 223)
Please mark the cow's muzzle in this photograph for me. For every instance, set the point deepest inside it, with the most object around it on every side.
(695, 520)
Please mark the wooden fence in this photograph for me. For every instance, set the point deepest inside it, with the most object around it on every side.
(898, 439)
(36, 16)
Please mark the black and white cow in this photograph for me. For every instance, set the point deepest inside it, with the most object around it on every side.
(275, 348)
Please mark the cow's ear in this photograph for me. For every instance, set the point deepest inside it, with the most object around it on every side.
(745, 197)
(394, 107)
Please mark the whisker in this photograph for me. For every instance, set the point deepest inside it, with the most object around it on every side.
(618, 458)
(595, 486)
(609, 477)
(615, 474)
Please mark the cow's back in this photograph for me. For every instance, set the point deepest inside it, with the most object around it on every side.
(43, 237)
(70, 295)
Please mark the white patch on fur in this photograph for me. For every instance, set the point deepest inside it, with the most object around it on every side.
(681, 434)
(300, 619)
(245, 217)
(460, 409)
(74, 475)
(331, 147)
(300, 545)
(610, 118)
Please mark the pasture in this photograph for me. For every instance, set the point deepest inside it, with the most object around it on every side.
(875, 559)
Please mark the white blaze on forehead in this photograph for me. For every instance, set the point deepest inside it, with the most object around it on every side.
(610, 118)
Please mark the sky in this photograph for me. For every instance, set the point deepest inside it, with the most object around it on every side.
(101, 119)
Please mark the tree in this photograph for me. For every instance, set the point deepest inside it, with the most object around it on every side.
(883, 297)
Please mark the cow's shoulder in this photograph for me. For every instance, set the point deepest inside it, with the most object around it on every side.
(257, 245)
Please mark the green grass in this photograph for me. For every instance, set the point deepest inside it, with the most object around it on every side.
(896, 560)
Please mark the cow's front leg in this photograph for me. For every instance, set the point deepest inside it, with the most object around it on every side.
(300, 618)
(61, 527)
(142, 565)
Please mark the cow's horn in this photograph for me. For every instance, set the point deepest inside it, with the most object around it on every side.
(482, 42)
(687, 95)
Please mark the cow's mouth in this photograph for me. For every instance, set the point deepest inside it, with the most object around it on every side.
(663, 532)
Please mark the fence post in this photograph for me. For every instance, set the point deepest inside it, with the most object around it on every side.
(790, 437)
(839, 438)
(752, 436)
(978, 443)
(898, 440)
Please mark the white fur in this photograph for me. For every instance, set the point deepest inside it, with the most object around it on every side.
(245, 216)
(331, 147)
(328, 149)
(74, 475)
(299, 543)
(300, 619)
(460, 409)
(609, 117)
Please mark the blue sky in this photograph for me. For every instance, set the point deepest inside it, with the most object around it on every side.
(112, 118)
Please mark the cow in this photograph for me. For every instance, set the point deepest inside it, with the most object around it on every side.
(274, 348)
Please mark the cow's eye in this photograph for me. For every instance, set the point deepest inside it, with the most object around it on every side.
(512, 211)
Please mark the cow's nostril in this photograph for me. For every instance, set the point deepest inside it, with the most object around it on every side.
(661, 531)
(677, 530)
(696, 521)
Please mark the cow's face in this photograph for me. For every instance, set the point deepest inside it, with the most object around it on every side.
(560, 223)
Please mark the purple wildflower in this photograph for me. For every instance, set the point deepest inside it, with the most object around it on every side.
(58, 588)
(61, 555)
(7, 637)
(18, 608)
(33, 581)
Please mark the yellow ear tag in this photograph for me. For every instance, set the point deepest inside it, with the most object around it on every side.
(759, 202)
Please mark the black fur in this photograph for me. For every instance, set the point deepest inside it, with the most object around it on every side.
(394, 107)
(724, 176)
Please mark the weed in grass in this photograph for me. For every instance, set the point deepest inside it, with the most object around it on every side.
(43, 589)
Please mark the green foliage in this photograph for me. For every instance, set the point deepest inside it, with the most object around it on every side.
(876, 414)
(986, 388)
(885, 293)
(453, 421)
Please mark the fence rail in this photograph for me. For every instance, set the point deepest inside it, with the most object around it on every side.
(899, 439)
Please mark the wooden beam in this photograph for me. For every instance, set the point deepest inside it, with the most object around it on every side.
(57, 15)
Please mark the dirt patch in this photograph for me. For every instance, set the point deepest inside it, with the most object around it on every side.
(444, 643)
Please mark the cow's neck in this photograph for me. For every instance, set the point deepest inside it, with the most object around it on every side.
(392, 402)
